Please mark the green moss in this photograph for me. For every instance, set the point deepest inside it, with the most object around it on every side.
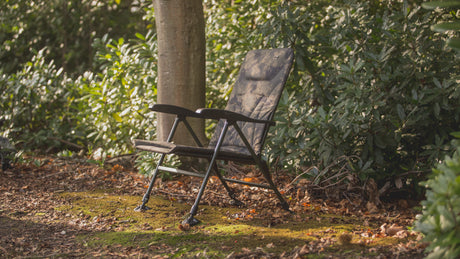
(158, 229)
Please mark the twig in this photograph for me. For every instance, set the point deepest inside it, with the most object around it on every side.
(341, 172)
(414, 172)
(215, 193)
(67, 142)
(58, 173)
(332, 184)
(339, 160)
(300, 175)
(172, 194)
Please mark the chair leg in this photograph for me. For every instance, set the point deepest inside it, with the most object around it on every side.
(230, 192)
(146, 197)
(265, 171)
(263, 166)
(212, 163)
(191, 220)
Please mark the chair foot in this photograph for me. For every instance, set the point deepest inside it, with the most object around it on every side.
(142, 208)
(285, 206)
(191, 221)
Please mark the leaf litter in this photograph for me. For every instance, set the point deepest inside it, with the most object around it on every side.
(39, 216)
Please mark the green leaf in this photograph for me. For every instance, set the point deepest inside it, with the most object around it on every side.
(401, 113)
(140, 36)
(454, 43)
(437, 110)
(441, 4)
(117, 117)
(447, 26)
(380, 142)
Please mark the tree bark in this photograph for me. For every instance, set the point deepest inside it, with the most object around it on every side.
(181, 62)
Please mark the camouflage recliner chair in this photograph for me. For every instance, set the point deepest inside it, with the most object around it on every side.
(242, 128)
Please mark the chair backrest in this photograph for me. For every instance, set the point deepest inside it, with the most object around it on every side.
(256, 94)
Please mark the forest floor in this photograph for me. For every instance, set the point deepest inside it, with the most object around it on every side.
(66, 208)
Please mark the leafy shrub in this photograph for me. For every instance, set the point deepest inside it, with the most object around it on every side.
(38, 106)
(66, 28)
(370, 81)
(43, 107)
(440, 220)
(117, 99)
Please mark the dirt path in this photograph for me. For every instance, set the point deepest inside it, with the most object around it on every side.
(69, 208)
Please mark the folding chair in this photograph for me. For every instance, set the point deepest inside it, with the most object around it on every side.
(242, 128)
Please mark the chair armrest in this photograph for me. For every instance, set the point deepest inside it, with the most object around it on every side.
(173, 109)
(218, 114)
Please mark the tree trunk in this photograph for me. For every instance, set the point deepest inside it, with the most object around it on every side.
(181, 62)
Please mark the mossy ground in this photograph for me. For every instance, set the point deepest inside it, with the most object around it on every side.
(219, 234)
(69, 209)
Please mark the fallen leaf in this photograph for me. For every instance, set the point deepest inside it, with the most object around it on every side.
(371, 207)
(393, 230)
(184, 227)
(345, 238)
(398, 183)
(401, 234)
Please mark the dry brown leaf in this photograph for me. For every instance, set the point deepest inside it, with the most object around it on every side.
(271, 245)
(371, 207)
(184, 227)
(398, 183)
(345, 239)
(401, 234)
(393, 230)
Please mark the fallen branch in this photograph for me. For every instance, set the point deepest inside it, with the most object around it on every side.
(67, 143)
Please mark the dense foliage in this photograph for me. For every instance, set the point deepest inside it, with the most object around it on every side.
(66, 27)
(382, 91)
(38, 105)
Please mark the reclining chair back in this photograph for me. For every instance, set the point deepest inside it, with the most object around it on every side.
(256, 94)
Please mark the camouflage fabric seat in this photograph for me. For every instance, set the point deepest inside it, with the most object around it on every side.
(242, 128)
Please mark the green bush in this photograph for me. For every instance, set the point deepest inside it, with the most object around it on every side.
(370, 82)
(440, 220)
(117, 98)
(38, 106)
(43, 107)
(66, 28)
